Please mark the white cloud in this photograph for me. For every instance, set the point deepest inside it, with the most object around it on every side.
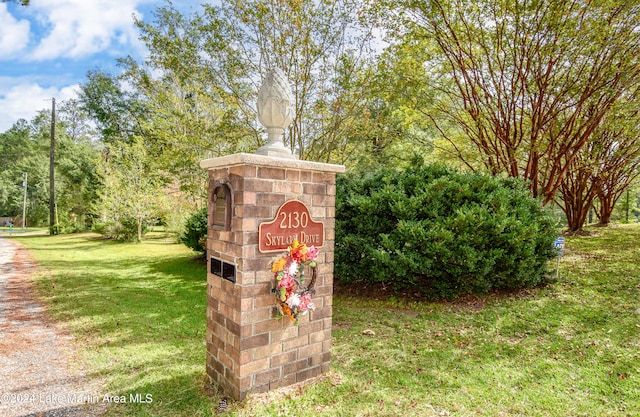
(47, 47)
(79, 28)
(24, 100)
(14, 34)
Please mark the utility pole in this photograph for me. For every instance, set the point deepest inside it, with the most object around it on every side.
(24, 202)
(52, 189)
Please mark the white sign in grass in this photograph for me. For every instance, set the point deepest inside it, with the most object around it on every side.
(559, 245)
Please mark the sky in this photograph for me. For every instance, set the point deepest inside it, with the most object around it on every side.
(47, 47)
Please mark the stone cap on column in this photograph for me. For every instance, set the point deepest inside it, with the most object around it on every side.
(253, 159)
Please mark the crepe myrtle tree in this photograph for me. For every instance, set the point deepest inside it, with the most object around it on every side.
(606, 166)
(523, 84)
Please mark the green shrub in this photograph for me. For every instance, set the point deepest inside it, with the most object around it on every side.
(68, 226)
(439, 232)
(125, 230)
(101, 227)
(195, 233)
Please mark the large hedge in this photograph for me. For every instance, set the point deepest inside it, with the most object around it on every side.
(439, 232)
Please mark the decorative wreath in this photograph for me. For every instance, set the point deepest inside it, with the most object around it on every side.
(293, 298)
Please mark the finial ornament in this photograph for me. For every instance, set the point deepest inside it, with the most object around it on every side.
(275, 112)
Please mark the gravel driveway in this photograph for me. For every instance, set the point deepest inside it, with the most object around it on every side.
(40, 375)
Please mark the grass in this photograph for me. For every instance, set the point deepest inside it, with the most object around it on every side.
(138, 312)
(568, 349)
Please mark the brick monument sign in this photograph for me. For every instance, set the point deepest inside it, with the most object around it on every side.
(259, 205)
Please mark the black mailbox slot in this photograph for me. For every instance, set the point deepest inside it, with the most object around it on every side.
(216, 267)
(229, 272)
(223, 269)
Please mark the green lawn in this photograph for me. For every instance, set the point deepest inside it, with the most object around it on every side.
(138, 311)
(569, 349)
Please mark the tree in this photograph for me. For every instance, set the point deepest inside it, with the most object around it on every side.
(25, 149)
(117, 113)
(580, 186)
(18, 155)
(131, 190)
(322, 47)
(613, 188)
(628, 208)
(211, 67)
(526, 82)
(194, 96)
(620, 159)
(605, 167)
(76, 121)
(188, 116)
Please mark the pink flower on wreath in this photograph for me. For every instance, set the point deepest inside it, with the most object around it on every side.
(312, 253)
(306, 303)
(287, 282)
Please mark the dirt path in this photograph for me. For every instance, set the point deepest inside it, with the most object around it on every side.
(39, 374)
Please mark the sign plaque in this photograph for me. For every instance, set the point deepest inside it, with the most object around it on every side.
(293, 222)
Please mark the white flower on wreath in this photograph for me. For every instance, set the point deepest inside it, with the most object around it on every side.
(293, 301)
(293, 269)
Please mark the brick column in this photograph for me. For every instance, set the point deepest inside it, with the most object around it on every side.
(248, 350)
